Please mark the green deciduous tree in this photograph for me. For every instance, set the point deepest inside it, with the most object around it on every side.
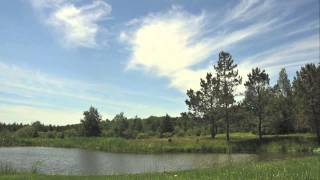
(137, 124)
(256, 95)
(120, 125)
(91, 122)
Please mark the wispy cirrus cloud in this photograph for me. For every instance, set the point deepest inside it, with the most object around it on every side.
(63, 100)
(78, 25)
(178, 45)
(243, 10)
(295, 53)
(29, 114)
(290, 56)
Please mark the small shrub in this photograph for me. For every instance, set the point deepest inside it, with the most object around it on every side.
(51, 134)
(151, 134)
(180, 133)
(108, 133)
(198, 132)
(35, 167)
(142, 136)
(165, 135)
(60, 135)
(316, 150)
(71, 133)
(27, 131)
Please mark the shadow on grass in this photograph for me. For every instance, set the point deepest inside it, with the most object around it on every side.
(275, 143)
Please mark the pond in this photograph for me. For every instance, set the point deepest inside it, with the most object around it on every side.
(88, 162)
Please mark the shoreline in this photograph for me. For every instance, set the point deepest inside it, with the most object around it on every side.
(296, 168)
(294, 143)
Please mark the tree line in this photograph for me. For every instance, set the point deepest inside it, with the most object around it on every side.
(286, 107)
(280, 109)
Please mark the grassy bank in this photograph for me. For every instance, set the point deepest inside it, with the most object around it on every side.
(240, 142)
(304, 168)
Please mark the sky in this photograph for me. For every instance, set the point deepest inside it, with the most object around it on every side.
(59, 57)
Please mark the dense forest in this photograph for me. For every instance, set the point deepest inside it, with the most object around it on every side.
(284, 108)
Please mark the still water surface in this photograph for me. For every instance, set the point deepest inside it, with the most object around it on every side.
(88, 162)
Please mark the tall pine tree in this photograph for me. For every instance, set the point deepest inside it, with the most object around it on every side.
(284, 123)
(256, 95)
(228, 80)
(204, 103)
(308, 88)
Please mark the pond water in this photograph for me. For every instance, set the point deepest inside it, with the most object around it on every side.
(87, 162)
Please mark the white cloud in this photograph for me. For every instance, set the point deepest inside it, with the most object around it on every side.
(158, 42)
(78, 25)
(171, 43)
(186, 79)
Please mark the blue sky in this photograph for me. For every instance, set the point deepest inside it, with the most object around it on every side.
(59, 57)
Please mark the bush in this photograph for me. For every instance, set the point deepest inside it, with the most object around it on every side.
(51, 134)
(198, 132)
(71, 133)
(129, 134)
(151, 134)
(60, 135)
(142, 136)
(180, 134)
(27, 131)
(108, 133)
(5, 133)
(166, 135)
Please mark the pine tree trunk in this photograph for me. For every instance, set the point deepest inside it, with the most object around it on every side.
(316, 123)
(213, 130)
(227, 121)
(260, 116)
(260, 129)
(216, 129)
(318, 132)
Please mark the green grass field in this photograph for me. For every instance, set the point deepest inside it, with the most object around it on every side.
(302, 168)
(240, 142)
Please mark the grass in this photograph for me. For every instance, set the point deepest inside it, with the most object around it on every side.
(240, 143)
(6, 169)
(302, 168)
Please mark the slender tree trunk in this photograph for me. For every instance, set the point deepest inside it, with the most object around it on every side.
(216, 129)
(260, 132)
(213, 132)
(318, 131)
(260, 116)
(317, 128)
(316, 123)
(227, 121)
